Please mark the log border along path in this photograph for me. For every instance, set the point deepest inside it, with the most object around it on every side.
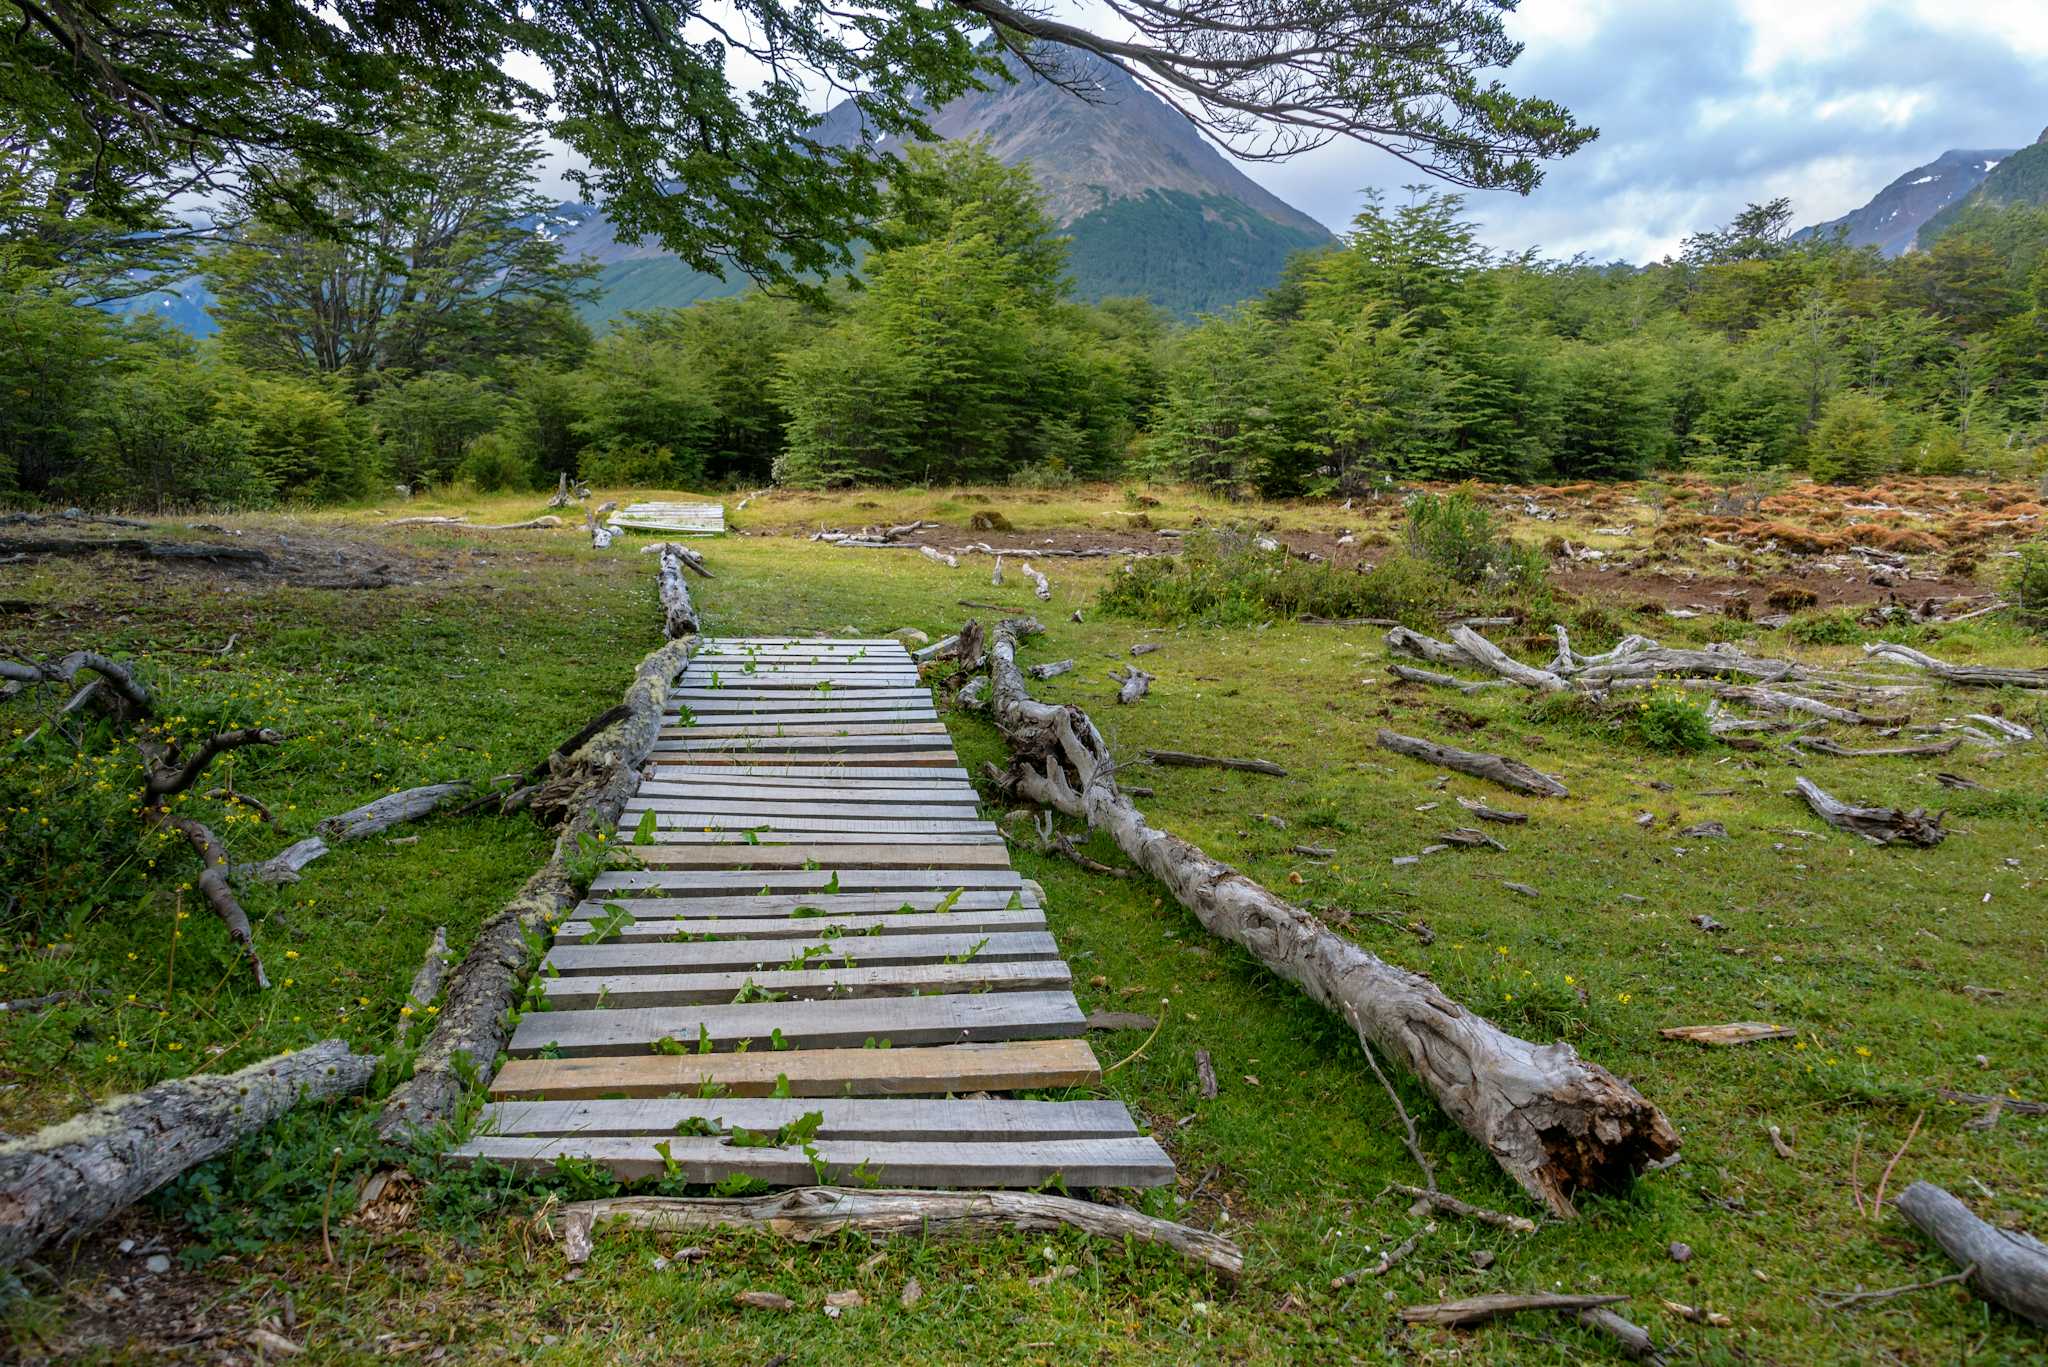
(824, 924)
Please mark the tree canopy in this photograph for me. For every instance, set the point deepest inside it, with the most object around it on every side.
(113, 100)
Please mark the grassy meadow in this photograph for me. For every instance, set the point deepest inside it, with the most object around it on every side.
(1902, 970)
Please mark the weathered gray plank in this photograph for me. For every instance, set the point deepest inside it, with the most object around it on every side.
(694, 820)
(837, 905)
(779, 730)
(746, 773)
(748, 839)
(867, 982)
(823, 855)
(754, 812)
(774, 932)
(917, 1119)
(572, 959)
(1133, 1162)
(960, 1019)
(1027, 1065)
(709, 883)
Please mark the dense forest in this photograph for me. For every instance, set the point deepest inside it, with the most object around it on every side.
(412, 327)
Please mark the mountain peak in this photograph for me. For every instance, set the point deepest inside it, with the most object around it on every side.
(1894, 216)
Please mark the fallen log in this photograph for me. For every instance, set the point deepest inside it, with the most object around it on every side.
(1047, 671)
(807, 1214)
(63, 1180)
(471, 1026)
(372, 818)
(1821, 745)
(133, 545)
(1975, 676)
(1403, 641)
(1486, 813)
(1554, 1122)
(1410, 674)
(1878, 825)
(678, 613)
(1508, 773)
(939, 557)
(530, 525)
(1491, 656)
(1039, 584)
(1133, 683)
(1181, 759)
(1479, 1309)
(441, 521)
(594, 784)
(2011, 1267)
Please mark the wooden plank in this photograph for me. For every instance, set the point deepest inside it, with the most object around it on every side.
(693, 820)
(709, 792)
(927, 1120)
(754, 812)
(574, 960)
(966, 1018)
(731, 698)
(867, 982)
(708, 883)
(746, 838)
(815, 759)
(796, 730)
(811, 773)
(1030, 1065)
(836, 906)
(995, 855)
(796, 683)
(775, 932)
(675, 721)
(1131, 1162)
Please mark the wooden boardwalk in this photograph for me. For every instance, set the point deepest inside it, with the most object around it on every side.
(824, 925)
(685, 519)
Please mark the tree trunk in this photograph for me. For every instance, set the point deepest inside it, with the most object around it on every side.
(1508, 773)
(1878, 825)
(1981, 676)
(1553, 1121)
(2012, 1268)
(810, 1213)
(63, 1180)
(392, 809)
(679, 614)
(472, 1024)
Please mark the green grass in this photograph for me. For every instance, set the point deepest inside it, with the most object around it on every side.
(508, 644)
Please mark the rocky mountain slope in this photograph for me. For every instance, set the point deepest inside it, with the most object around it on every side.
(1895, 215)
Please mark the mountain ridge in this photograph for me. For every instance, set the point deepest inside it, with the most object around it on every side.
(1151, 206)
(1891, 221)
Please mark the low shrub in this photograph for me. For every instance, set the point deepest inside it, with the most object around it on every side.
(1826, 629)
(1456, 533)
(1223, 578)
(1667, 718)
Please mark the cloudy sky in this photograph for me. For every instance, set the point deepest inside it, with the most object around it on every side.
(1706, 105)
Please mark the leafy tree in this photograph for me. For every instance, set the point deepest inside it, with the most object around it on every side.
(305, 435)
(437, 270)
(1418, 260)
(1239, 414)
(1614, 412)
(424, 425)
(1856, 441)
(650, 414)
(158, 439)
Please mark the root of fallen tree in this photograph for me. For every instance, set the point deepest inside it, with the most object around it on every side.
(61, 1181)
(811, 1213)
(1553, 1121)
(590, 787)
